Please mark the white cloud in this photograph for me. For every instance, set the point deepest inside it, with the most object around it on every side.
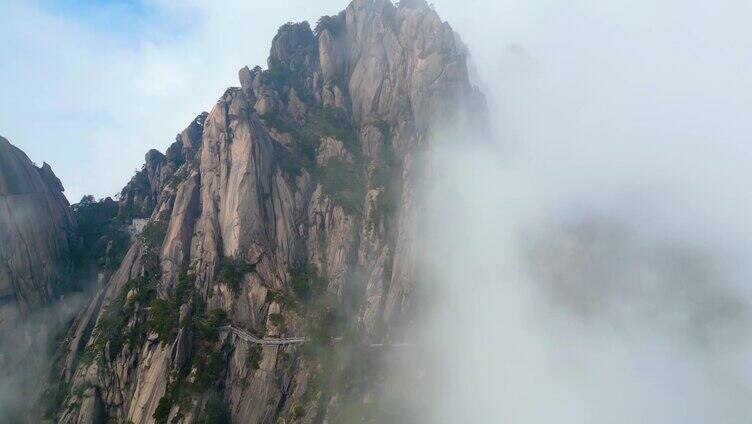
(91, 101)
(634, 112)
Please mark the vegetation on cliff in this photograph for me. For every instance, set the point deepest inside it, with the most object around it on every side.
(282, 226)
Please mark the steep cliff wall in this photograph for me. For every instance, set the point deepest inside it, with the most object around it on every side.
(35, 229)
(291, 212)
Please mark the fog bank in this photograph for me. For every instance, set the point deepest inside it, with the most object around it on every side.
(28, 349)
(589, 263)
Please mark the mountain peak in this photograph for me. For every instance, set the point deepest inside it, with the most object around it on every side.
(288, 210)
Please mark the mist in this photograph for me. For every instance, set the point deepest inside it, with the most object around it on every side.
(589, 263)
(28, 351)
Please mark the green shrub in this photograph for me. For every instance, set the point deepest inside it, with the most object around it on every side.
(288, 162)
(285, 78)
(232, 271)
(178, 177)
(340, 181)
(298, 412)
(216, 411)
(280, 74)
(280, 297)
(207, 358)
(253, 357)
(210, 366)
(281, 121)
(277, 320)
(162, 413)
(381, 176)
(119, 324)
(321, 122)
(102, 238)
(163, 318)
(306, 283)
(154, 233)
(205, 325)
(333, 24)
(112, 328)
(164, 315)
(334, 122)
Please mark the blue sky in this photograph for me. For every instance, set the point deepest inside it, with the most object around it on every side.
(90, 86)
(127, 20)
(88, 9)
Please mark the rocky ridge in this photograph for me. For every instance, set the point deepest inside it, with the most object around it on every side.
(290, 209)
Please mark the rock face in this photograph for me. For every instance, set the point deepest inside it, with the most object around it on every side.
(290, 209)
(35, 229)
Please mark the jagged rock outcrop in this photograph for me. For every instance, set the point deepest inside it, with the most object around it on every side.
(141, 194)
(36, 227)
(290, 209)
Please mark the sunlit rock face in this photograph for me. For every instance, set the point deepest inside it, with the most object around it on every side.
(35, 230)
(289, 209)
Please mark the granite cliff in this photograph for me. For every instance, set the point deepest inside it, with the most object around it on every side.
(36, 228)
(288, 210)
